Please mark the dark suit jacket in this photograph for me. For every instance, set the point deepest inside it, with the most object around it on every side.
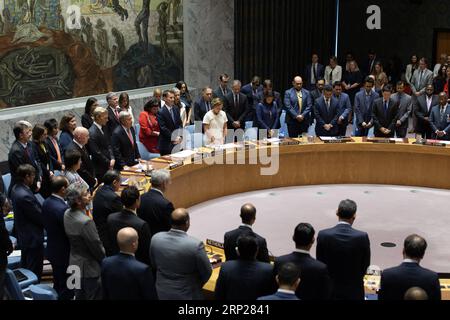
(363, 111)
(125, 278)
(236, 113)
(43, 158)
(200, 109)
(344, 107)
(58, 246)
(293, 110)
(124, 152)
(346, 252)
(383, 119)
(396, 281)
(65, 138)
(244, 280)
(17, 156)
(252, 98)
(155, 209)
(5, 242)
(326, 116)
(53, 154)
(113, 122)
(100, 148)
(218, 93)
(230, 244)
(106, 202)
(86, 120)
(167, 127)
(279, 296)
(277, 99)
(421, 111)
(315, 281)
(320, 73)
(440, 123)
(86, 170)
(28, 220)
(124, 219)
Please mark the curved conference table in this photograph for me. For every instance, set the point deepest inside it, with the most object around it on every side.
(318, 163)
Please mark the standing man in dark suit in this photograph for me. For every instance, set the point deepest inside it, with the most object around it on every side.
(113, 111)
(440, 118)
(404, 110)
(248, 217)
(316, 93)
(6, 246)
(326, 111)
(123, 141)
(288, 279)
(313, 72)
(385, 114)
(203, 105)
(344, 107)
(364, 101)
(395, 282)
(370, 63)
(298, 105)
(315, 281)
(245, 278)
(236, 107)
(155, 209)
(86, 249)
(422, 109)
(28, 220)
(268, 87)
(130, 198)
(21, 152)
(346, 252)
(86, 171)
(100, 144)
(106, 202)
(58, 247)
(251, 90)
(222, 91)
(181, 264)
(170, 124)
(123, 276)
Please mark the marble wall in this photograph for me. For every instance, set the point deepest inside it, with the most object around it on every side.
(208, 41)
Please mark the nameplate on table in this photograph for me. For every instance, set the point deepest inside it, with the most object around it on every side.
(381, 140)
(289, 142)
(336, 139)
(215, 243)
(431, 143)
(175, 165)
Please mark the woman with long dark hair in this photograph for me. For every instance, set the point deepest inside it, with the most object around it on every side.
(86, 119)
(67, 125)
(41, 152)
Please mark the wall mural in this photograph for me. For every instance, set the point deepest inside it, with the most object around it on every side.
(52, 50)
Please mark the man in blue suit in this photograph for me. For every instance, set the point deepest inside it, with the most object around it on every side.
(346, 252)
(364, 101)
(316, 283)
(245, 278)
(203, 105)
(58, 246)
(28, 220)
(344, 106)
(313, 72)
(288, 279)
(251, 90)
(440, 118)
(395, 282)
(298, 105)
(123, 277)
(326, 112)
(169, 120)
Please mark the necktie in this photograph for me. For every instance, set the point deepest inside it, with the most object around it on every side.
(328, 104)
(300, 100)
(386, 106)
(29, 153)
(331, 76)
(172, 114)
(442, 113)
(315, 72)
(58, 152)
(236, 100)
(130, 136)
(116, 113)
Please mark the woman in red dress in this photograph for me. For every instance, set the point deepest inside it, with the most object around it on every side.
(149, 126)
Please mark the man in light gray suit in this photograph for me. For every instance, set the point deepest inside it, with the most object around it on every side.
(86, 249)
(421, 78)
(181, 264)
(404, 110)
